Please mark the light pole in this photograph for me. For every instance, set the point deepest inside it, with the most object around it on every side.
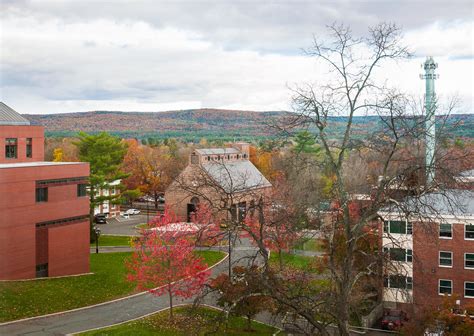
(97, 235)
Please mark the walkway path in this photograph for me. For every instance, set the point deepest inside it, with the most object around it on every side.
(104, 314)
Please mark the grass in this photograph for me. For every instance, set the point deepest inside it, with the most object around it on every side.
(21, 299)
(313, 245)
(107, 240)
(296, 261)
(188, 321)
(142, 226)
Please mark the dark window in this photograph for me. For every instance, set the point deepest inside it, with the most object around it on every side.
(445, 258)
(11, 146)
(245, 156)
(446, 230)
(469, 231)
(208, 158)
(399, 254)
(445, 287)
(81, 190)
(242, 211)
(42, 270)
(29, 147)
(469, 289)
(399, 281)
(238, 156)
(228, 157)
(469, 260)
(398, 227)
(41, 194)
(385, 226)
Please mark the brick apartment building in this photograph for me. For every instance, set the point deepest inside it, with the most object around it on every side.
(217, 176)
(431, 251)
(44, 207)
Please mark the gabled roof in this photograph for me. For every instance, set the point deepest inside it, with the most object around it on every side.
(236, 176)
(9, 116)
(217, 151)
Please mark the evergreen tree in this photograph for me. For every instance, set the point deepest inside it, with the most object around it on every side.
(105, 154)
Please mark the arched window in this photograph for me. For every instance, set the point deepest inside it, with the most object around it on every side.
(195, 200)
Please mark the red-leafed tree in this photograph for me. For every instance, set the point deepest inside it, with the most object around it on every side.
(164, 262)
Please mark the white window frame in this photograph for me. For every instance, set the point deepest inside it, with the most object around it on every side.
(465, 227)
(439, 259)
(439, 287)
(439, 231)
(465, 259)
(464, 292)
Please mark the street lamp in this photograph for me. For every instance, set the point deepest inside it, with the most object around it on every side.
(97, 235)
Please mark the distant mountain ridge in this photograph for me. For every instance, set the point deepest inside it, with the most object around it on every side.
(196, 123)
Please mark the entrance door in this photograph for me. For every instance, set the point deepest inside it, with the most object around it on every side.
(191, 208)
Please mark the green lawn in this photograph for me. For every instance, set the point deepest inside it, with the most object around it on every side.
(20, 299)
(188, 321)
(314, 245)
(113, 241)
(297, 261)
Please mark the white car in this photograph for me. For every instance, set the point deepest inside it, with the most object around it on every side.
(132, 212)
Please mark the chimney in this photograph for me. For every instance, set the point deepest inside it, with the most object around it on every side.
(430, 118)
(243, 147)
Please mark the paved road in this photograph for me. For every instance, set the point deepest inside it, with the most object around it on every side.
(105, 314)
(122, 310)
(122, 226)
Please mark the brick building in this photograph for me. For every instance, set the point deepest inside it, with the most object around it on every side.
(431, 251)
(44, 222)
(222, 177)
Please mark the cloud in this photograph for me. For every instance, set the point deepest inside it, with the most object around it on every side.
(72, 55)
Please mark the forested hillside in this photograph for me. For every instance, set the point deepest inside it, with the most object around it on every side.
(199, 123)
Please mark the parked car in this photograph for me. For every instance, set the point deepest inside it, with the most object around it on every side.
(100, 219)
(393, 319)
(132, 212)
(124, 215)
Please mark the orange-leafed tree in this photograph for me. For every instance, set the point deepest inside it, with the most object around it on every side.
(164, 262)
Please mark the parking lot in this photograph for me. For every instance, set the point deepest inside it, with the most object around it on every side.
(123, 226)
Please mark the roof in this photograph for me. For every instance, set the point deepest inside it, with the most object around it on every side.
(235, 176)
(467, 173)
(452, 202)
(37, 164)
(9, 116)
(216, 151)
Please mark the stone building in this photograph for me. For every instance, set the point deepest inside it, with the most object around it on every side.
(44, 207)
(222, 178)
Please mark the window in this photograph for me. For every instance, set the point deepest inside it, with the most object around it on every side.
(469, 289)
(398, 281)
(399, 254)
(81, 190)
(208, 158)
(41, 194)
(445, 287)
(445, 259)
(245, 156)
(445, 230)
(41, 270)
(112, 191)
(469, 260)
(29, 147)
(469, 231)
(400, 227)
(385, 226)
(11, 145)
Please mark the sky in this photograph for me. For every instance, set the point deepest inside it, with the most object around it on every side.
(70, 56)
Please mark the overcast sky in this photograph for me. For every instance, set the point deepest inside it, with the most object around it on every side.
(67, 56)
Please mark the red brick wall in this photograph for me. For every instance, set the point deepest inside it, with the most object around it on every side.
(20, 212)
(21, 133)
(426, 270)
(68, 249)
